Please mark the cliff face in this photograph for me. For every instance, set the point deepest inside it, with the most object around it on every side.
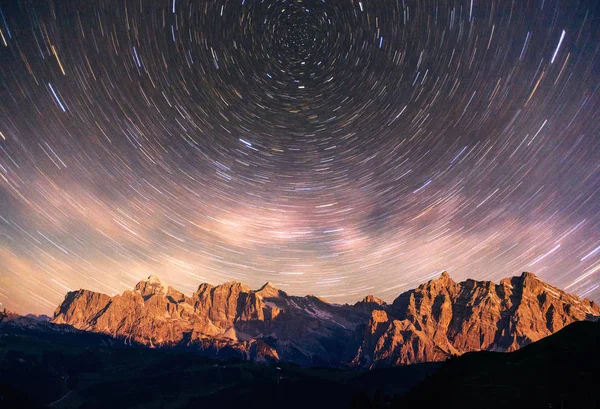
(429, 323)
(227, 320)
(441, 318)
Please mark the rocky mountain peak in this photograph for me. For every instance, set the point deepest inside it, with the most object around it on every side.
(204, 287)
(233, 286)
(445, 279)
(531, 280)
(154, 279)
(151, 286)
(232, 283)
(442, 284)
(79, 308)
(371, 299)
(529, 274)
(268, 291)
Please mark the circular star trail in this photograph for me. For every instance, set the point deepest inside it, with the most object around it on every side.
(332, 147)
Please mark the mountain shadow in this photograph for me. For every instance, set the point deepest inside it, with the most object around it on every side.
(560, 371)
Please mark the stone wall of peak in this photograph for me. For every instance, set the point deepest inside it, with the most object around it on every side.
(151, 286)
(270, 291)
(224, 318)
(442, 318)
(371, 299)
(80, 308)
(437, 319)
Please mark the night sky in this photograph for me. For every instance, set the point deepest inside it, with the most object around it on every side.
(339, 148)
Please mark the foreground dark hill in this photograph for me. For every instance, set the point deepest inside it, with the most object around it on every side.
(61, 372)
(436, 320)
(560, 371)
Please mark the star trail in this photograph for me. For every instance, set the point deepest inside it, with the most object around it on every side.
(339, 148)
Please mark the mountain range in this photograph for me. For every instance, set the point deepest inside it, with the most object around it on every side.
(435, 321)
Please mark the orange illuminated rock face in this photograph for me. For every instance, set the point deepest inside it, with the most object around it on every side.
(228, 320)
(441, 318)
(429, 323)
